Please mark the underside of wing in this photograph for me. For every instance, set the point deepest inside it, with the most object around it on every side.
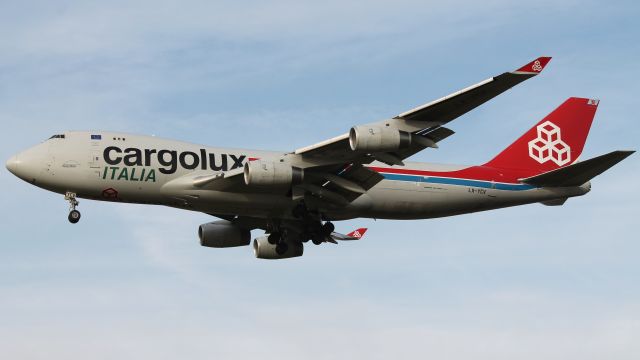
(343, 182)
(337, 186)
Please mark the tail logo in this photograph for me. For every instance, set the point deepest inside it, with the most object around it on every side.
(548, 146)
(537, 67)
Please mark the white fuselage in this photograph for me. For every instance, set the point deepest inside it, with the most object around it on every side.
(142, 169)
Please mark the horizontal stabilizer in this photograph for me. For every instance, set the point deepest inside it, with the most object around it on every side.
(578, 173)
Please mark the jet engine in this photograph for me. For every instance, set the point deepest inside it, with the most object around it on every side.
(269, 173)
(375, 139)
(222, 234)
(264, 250)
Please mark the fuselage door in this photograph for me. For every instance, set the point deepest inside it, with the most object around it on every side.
(94, 160)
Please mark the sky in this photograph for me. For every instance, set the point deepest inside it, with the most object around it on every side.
(131, 281)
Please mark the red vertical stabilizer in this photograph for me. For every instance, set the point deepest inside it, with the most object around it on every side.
(554, 142)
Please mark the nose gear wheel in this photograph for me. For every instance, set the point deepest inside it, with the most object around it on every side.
(74, 215)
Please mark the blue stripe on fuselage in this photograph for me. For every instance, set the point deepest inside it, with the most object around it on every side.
(459, 182)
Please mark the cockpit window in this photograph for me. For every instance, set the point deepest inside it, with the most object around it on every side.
(58, 136)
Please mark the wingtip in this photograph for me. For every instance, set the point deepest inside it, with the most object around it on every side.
(358, 233)
(536, 66)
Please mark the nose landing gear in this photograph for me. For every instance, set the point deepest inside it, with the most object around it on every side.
(74, 215)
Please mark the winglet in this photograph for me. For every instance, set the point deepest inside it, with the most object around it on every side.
(535, 66)
(357, 234)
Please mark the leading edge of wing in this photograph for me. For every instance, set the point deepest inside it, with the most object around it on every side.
(455, 104)
(322, 144)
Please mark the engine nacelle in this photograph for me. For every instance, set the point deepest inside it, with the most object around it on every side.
(264, 250)
(374, 139)
(269, 173)
(222, 234)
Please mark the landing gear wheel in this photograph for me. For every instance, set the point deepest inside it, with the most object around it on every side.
(282, 248)
(74, 216)
(273, 238)
(328, 228)
(318, 239)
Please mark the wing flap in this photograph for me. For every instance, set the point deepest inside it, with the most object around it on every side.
(436, 135)
(340, 186)
(353, 180)
(359, 174)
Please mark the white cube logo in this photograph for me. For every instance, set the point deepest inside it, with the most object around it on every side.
(548, 132)
(549, 145)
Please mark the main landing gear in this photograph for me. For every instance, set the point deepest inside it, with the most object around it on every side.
(311, 227)
(325, 232)
(318, 234)
(316, 231)
(279, 239)
(74, 215)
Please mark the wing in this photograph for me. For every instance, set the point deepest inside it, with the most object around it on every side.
(334, 171)
(340, 167)
(445, 109)
(426, 122)
(354, 235)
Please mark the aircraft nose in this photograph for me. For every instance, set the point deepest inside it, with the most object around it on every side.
(12, 164)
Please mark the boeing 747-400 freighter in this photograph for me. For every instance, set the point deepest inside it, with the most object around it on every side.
(295, 195)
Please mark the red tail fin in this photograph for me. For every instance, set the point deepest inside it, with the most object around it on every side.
(554, 142)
